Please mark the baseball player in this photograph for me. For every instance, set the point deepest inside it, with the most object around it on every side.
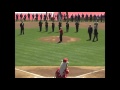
(63, 71)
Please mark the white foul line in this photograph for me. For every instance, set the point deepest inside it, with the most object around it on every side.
(90, 73)
(29, 73)
(38, 76)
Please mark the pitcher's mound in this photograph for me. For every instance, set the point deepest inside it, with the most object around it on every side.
(56, 39)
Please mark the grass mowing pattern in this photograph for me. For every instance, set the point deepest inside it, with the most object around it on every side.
(30, 51)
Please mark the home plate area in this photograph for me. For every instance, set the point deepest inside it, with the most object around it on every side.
(49, 71)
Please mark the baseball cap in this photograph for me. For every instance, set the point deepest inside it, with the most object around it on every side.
(65, 60)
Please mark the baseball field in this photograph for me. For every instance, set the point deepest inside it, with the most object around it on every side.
(38, 55)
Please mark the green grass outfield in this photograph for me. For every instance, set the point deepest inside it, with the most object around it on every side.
(29, 51)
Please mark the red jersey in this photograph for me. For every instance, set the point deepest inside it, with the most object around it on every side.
(61, 31)
(57, 73)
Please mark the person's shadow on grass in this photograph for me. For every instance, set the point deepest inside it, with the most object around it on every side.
(49, 32)
(19, 34)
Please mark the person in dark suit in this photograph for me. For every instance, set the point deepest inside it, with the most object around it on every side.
(98, 18)
(82, 17)
(90, 30)
(90, 17)
(77, 26)
(32, 17)
(101, 17)
(60, 25)
(67, 26)
(22, 28)
(40, 25)
(95, 18)
(28, 16)
(61, 34)
(16, 17)
(21, 16)
(46, 25)
(36, 17)
(53, 26)
(44, 17)
(41, 16)
(72, 17)
(25, 17)
(49, 16)
(87, 18)
(95, 31)
(78, 17)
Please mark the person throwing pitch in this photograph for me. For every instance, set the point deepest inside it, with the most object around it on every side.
(61, 34)
(63, 71)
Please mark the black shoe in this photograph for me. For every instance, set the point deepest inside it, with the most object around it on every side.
(93, 41)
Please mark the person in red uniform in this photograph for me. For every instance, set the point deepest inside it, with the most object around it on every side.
(61, 34)
(63, 71)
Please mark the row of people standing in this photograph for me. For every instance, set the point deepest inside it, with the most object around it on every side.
(34, 17)
(90, 29)
(87, 18)
(78, 17)
(59, 25)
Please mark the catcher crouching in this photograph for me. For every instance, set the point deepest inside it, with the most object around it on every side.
(63, 71)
